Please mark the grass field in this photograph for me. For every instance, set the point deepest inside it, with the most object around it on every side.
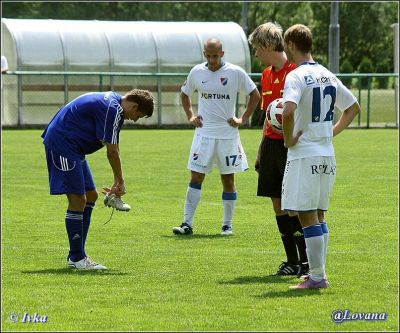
(161, 282)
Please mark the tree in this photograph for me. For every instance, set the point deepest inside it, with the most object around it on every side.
(365, 67)
(365, 27)
(346, 67)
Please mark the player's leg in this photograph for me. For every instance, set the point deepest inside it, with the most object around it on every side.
(315, 251)
(271, 170)
(66, 177)
(280, 154)
(229, 197)
(200, 162)
(192, 198)
(284, 223)
(325, 230)
(74, 226)
(300, 192)
(230, 158)
(327, 181)
(91, 198)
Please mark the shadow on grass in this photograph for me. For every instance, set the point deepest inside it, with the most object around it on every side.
(272, 279)
(291, 293)
(259, 279)
(69, 271)
(196, 236)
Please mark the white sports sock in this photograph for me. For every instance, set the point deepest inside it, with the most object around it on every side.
(191, 202)
(315, 251)
(325, 231)
(229, 203)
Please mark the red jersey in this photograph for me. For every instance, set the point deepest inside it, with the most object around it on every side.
(272, 84)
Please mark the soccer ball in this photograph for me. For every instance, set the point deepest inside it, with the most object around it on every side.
(274, 113)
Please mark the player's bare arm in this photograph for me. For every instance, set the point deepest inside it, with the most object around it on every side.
(346, 118)
(187, 106)
(288, 124)
(251, 106)
(113, 156)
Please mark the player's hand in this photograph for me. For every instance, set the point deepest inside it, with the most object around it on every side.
(117, 189)
(196, 121)
(235, 122)
(293, 140)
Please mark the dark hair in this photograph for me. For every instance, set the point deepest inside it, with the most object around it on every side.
(144, 99)
(300, 36)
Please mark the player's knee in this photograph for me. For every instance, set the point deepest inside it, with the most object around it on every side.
(197, 178)
(91, 196)
(76, 202)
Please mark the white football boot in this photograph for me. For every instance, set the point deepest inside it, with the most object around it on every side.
(112, 200)
(85, 264)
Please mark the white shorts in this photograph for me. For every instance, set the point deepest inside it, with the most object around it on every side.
(307, 183)
(227, 154)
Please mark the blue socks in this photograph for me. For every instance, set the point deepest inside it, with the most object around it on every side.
(74, 226)
(87, 213)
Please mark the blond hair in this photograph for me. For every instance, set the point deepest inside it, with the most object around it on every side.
(268, 34)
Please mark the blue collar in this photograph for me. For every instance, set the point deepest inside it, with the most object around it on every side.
(309, 63)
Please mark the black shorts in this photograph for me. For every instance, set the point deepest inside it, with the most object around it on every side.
(272, 166)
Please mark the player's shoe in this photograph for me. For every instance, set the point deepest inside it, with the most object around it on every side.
(226, 230)
(304, 270)
(183, 229)
(85, 264)
(309, 283)
(287, 269)
(112, 200)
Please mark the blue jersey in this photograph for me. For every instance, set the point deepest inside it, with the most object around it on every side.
(85, 124)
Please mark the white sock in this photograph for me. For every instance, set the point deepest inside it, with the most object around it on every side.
(325, 231)
(191, 202)
(315, 251)
(229, 203)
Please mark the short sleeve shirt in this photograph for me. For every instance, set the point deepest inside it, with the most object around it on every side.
(217, 94)
(316, 92)
(272, 83)
(85, 124)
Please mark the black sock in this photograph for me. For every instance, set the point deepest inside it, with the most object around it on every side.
(299, 238)
(87, 213)
(284, 226)
(73, 224)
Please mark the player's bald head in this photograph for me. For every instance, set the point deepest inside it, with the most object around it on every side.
(213, 44)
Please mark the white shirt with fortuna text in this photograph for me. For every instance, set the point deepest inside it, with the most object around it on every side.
(217, 93)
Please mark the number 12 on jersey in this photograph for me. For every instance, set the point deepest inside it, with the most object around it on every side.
(316, 103)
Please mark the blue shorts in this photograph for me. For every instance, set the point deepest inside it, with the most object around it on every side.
(68, 175)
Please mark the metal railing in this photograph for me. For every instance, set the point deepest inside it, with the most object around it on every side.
(21, 86)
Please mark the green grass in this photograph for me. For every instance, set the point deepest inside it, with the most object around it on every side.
(160, 282)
